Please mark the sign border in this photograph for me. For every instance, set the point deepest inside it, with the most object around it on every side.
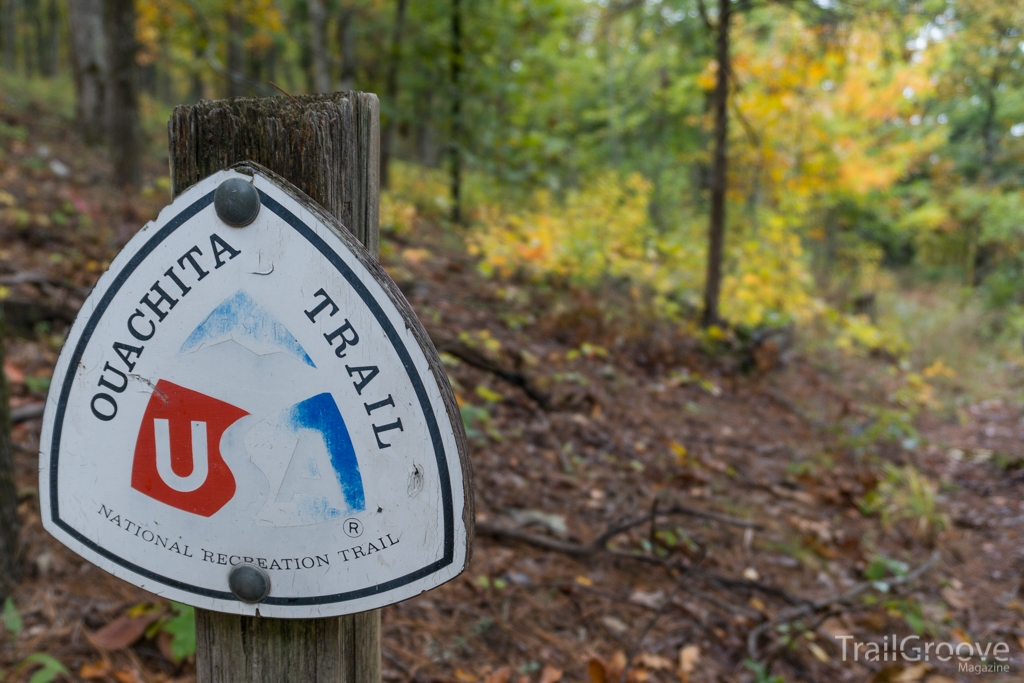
(310, 235)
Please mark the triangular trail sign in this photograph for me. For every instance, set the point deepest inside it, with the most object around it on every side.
(252, 419)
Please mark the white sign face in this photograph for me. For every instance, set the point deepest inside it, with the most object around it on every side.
(255, 395)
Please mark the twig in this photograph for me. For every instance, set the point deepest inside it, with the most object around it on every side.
(635, 647)
(286, 93)
(704, 15)
(738, 610)
(788, 615)
(678, 509)
(26, 412)
(472, 357)
(599, 542)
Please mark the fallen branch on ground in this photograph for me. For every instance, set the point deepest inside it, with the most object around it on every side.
(27, 412)
(846, 597)
(474, 358)
(599, 542)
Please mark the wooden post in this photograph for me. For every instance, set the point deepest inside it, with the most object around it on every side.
(329, 147)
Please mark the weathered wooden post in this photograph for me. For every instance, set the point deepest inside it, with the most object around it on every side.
(289, 457)
(329, 147)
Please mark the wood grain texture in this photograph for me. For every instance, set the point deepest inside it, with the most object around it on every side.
(326, 145)
(329, 147)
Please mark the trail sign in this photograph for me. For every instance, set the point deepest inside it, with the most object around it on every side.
(248, 417)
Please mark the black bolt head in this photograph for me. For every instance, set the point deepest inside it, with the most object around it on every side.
(249, 583)
(237, 202)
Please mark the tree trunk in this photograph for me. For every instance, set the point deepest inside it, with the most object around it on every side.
(716, 226)
(10, 567)
(317, 46)
(10, 35)
(196, 77)
(28, 52)
(387, 138)
(125, 143)
(91, 68)
(989, 134)
(234, 57)
(52, 30)
(428, 151)
(164, 85)
(454, 148)
(347, 40)
(328, 146)
(272, 64)
(40, 36)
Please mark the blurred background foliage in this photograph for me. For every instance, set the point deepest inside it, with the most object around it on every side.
(874, 176)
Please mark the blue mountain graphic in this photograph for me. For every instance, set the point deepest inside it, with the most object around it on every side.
(320, 414)
(241, 319)
(307, 457)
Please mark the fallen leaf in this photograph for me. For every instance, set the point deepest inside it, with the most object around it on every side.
(163, 643)
(556, 524)
(639, 675)
(688, 657)
(123, 631)
(617, 627)
(584, 581)
(955, 599)
(818, 653)
(758, 604)
(887, 674)
(912, 674)
(124, 676)
(550, 675)
(14, 375)
(615, 666)
(649, 660)
(597, 671)
(834, 628)
(499, 676)
(649, 599)
(98, 669)
(465, 676)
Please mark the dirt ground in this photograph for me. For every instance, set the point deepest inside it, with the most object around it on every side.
(758, 465)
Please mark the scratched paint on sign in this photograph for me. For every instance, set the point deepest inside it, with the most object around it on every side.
(255, 395)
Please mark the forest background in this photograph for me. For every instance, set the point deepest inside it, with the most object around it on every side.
(846, 152)
(755, 176)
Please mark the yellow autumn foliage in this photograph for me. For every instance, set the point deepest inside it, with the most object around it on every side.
(771, 279)
(602, 231)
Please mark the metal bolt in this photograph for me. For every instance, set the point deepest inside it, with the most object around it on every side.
(237, 202)
(249, 583)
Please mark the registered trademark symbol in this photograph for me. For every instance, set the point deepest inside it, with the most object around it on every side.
(353, 527)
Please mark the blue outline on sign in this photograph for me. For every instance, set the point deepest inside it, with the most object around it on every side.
(396, 342)
(243, 320)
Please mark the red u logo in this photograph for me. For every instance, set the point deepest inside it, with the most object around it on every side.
(177, 453)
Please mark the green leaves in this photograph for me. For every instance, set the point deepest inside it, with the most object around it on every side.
(12, 618)
(181, 627)
(49, 668)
